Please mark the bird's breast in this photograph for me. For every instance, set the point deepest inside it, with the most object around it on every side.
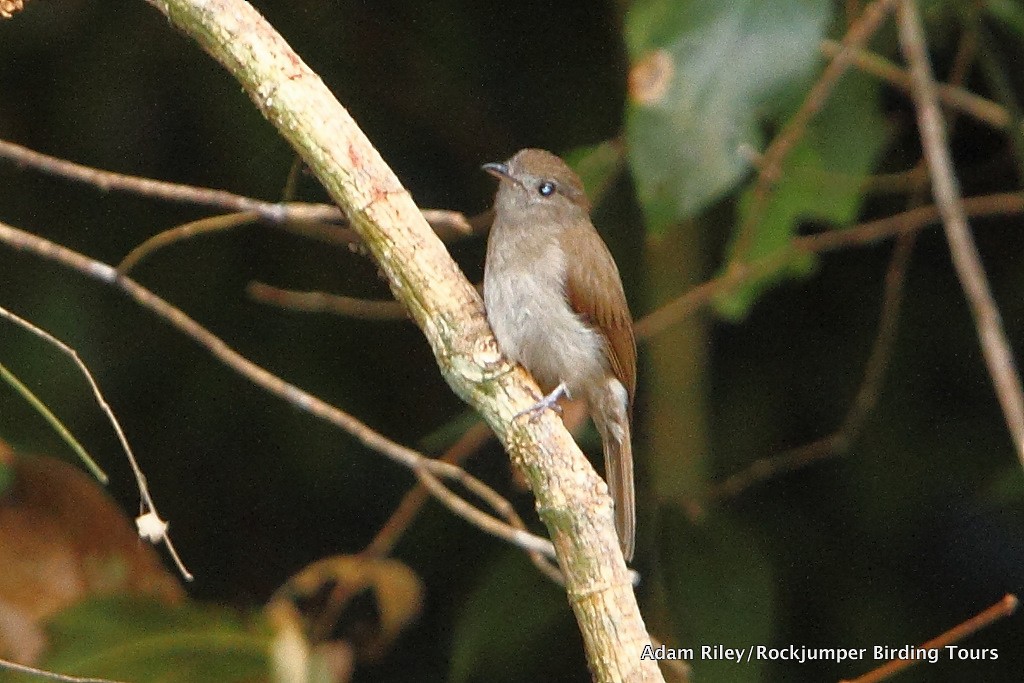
(526, 302)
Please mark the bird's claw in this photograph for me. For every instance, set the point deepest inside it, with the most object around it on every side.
(549, 401)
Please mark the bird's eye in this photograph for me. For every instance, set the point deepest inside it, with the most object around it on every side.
(546, 188)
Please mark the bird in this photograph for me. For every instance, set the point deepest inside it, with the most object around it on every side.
(555, 301)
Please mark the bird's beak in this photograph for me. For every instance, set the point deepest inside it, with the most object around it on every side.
(497, 170)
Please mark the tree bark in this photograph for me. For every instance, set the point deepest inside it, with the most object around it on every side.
(572, 500)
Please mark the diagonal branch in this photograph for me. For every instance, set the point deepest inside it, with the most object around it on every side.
(946, 191)
(1004, 608)
(907, 222)
(953, 96)
(572, 499)
(864, 401)
(857, 35)
(428, 471)
(147, 504)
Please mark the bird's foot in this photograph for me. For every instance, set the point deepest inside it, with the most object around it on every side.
(549, 401)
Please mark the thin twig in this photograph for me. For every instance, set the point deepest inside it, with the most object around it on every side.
(999, 72)
(140, 478)
(53, 420)
(840, 441)
(425, 469)
(985, 206)
(203, 226)
(865, 234)
(771, 168)
(158, 189)
(384, 542)
(774, 465)
(324, 302)
(952, 96)
(51, 675)
(696, 298)
(447, 224)
(895, 276)
(407, 511)
(1001, 609)
(504, 508)
(945, 189)
(573, 416)
(863, 402)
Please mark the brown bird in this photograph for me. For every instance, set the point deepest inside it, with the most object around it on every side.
(555, 302)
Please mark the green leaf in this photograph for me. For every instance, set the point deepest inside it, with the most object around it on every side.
(711, 71)
(822, 180)
(513, 610)
(720, 592)
(142, 640)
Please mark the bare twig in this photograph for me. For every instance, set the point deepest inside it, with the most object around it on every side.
(999, 204)
(425, 469)
(323, 302)
(858, 34)
(1001, 609)
(147, 500)
(158, 189)
(952, 96)
(694, 299)
(774, 465)
(50, 675)
(895, 277)
(914, 220)
(946, 191)
(573, 416)
(506, 510)
(840, 441)
(403, 516)
(447, 224)
(203, 226)
(388, 535)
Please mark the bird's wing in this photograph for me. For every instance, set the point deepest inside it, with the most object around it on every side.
(608, 313)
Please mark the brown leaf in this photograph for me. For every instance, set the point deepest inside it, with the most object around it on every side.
(362, 602)
(62, 539)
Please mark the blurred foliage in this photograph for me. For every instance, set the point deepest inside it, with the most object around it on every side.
(363, 601)
(663, 107)
(62, 541)
(488, 645)
(716, 72)
(141, 641)
(822, 181)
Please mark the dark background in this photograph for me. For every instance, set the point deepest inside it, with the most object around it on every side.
(916, 529)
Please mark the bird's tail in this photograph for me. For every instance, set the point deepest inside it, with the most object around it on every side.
(618, 472)
(611, 417)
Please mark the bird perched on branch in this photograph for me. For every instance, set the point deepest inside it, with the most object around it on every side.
(555, 302)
